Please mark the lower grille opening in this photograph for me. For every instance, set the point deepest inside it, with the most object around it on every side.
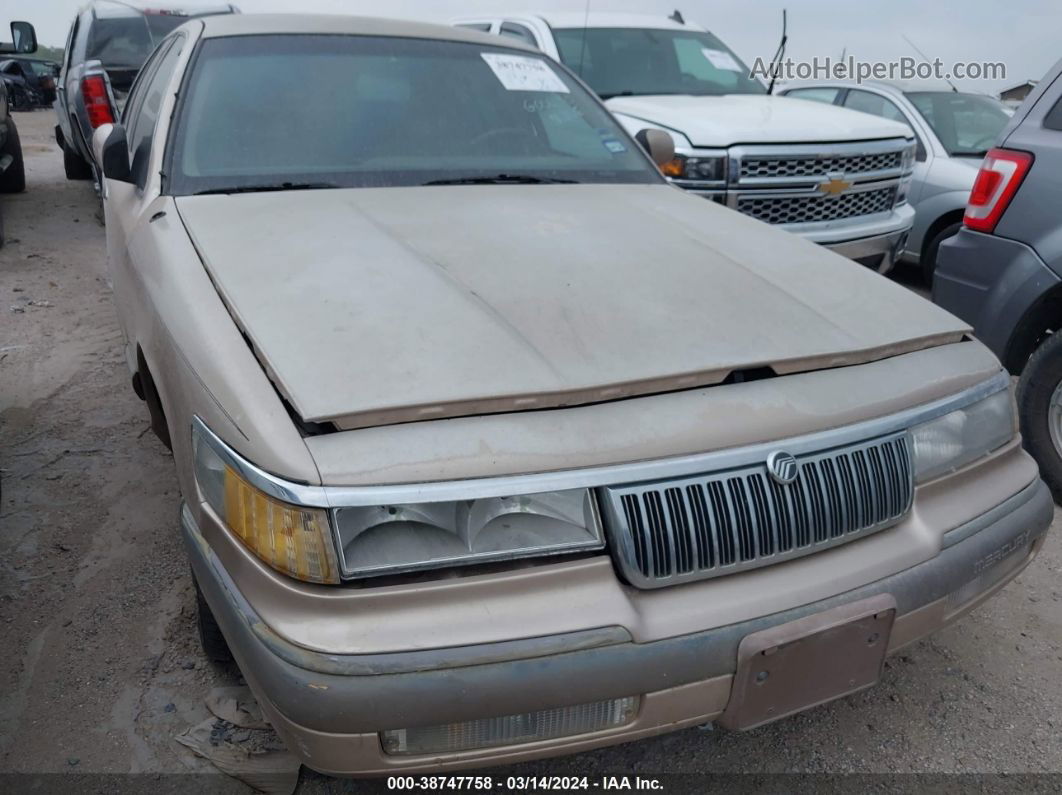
(525, 727)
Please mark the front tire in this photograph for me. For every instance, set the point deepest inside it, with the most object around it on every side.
(1040, 411)
(929, 257)
(14, 179)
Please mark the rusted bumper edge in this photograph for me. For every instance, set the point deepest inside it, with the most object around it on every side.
(368, 693)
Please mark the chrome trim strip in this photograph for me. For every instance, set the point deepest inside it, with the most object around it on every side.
(825, 149)
(813, 192)
(856, 177)
(590, 477)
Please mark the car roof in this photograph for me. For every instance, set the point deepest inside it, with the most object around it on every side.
(898, 89)
(264, 24)
(117, 9)
(600, 19)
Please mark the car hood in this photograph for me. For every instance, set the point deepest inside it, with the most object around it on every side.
(384, 305)
(753, 118)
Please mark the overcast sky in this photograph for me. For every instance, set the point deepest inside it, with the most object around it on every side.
(1023, 34)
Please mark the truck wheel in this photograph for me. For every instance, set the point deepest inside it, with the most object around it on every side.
(213, 642)
(929, 258)
(14, 179)
(1040, 411)
(75, 165)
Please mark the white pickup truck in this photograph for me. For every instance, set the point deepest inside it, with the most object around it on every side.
(832, 175)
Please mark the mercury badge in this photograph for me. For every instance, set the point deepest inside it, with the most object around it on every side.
(782, 467)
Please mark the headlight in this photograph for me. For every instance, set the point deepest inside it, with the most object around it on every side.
(950, 442)
(909, 155)
(292, 539)
(365, 540)
(396, 538)
(701, 169)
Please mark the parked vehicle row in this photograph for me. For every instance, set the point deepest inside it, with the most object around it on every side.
(833, 176)
(493, 444)
(30, 82)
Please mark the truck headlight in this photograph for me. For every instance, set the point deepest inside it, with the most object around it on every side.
(701, 169)
(909, 156)
(397, 538)
(960, 437)
(293, 539)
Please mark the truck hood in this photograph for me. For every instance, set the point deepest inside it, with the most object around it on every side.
(755, 119)
(385, 305)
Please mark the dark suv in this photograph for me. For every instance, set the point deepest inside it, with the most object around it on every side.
(12, 169)
(1003, 272)
(107, 44)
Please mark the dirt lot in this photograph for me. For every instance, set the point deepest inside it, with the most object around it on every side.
(100, 666)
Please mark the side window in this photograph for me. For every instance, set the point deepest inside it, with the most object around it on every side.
(874, 103)
(145, 117)
(1053, 119)
(827, 95)
(517, 31)
(136, 92)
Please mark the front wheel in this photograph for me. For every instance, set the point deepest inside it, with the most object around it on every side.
(1040, 411)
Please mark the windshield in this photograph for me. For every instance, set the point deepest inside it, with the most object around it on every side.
(126, 42)
(287, 111)
(633, 61)
(966, 124)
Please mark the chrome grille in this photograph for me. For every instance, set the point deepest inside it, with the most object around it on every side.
(803, 209)
(714, 524)
(760, 167)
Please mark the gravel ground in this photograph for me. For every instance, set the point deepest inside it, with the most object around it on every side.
(100, 666)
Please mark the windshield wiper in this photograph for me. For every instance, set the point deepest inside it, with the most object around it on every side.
(503, 179)
(266, 188)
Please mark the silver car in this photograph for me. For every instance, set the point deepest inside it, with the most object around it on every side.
(954, 131)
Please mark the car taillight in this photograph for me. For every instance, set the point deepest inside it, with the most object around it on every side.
(1001, 173)
(97, 103)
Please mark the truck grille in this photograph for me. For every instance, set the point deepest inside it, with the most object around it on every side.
(760, 167)
(802, 209)
(720, 523)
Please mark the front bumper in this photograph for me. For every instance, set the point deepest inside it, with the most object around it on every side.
(330, 708)
(877, 243)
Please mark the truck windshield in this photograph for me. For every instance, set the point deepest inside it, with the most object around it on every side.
(636, 61)
(966, 124)
(279, 112)
(125, 42)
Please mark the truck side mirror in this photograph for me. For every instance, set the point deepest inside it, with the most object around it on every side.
(24, 37)
(658, 144)
(111, 149)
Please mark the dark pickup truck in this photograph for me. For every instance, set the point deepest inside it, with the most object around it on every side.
(107, 44)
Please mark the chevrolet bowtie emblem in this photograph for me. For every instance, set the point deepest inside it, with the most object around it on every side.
(835, 185)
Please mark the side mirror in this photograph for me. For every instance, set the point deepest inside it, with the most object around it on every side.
(24, 39)
(658, 144)
(112, 152)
